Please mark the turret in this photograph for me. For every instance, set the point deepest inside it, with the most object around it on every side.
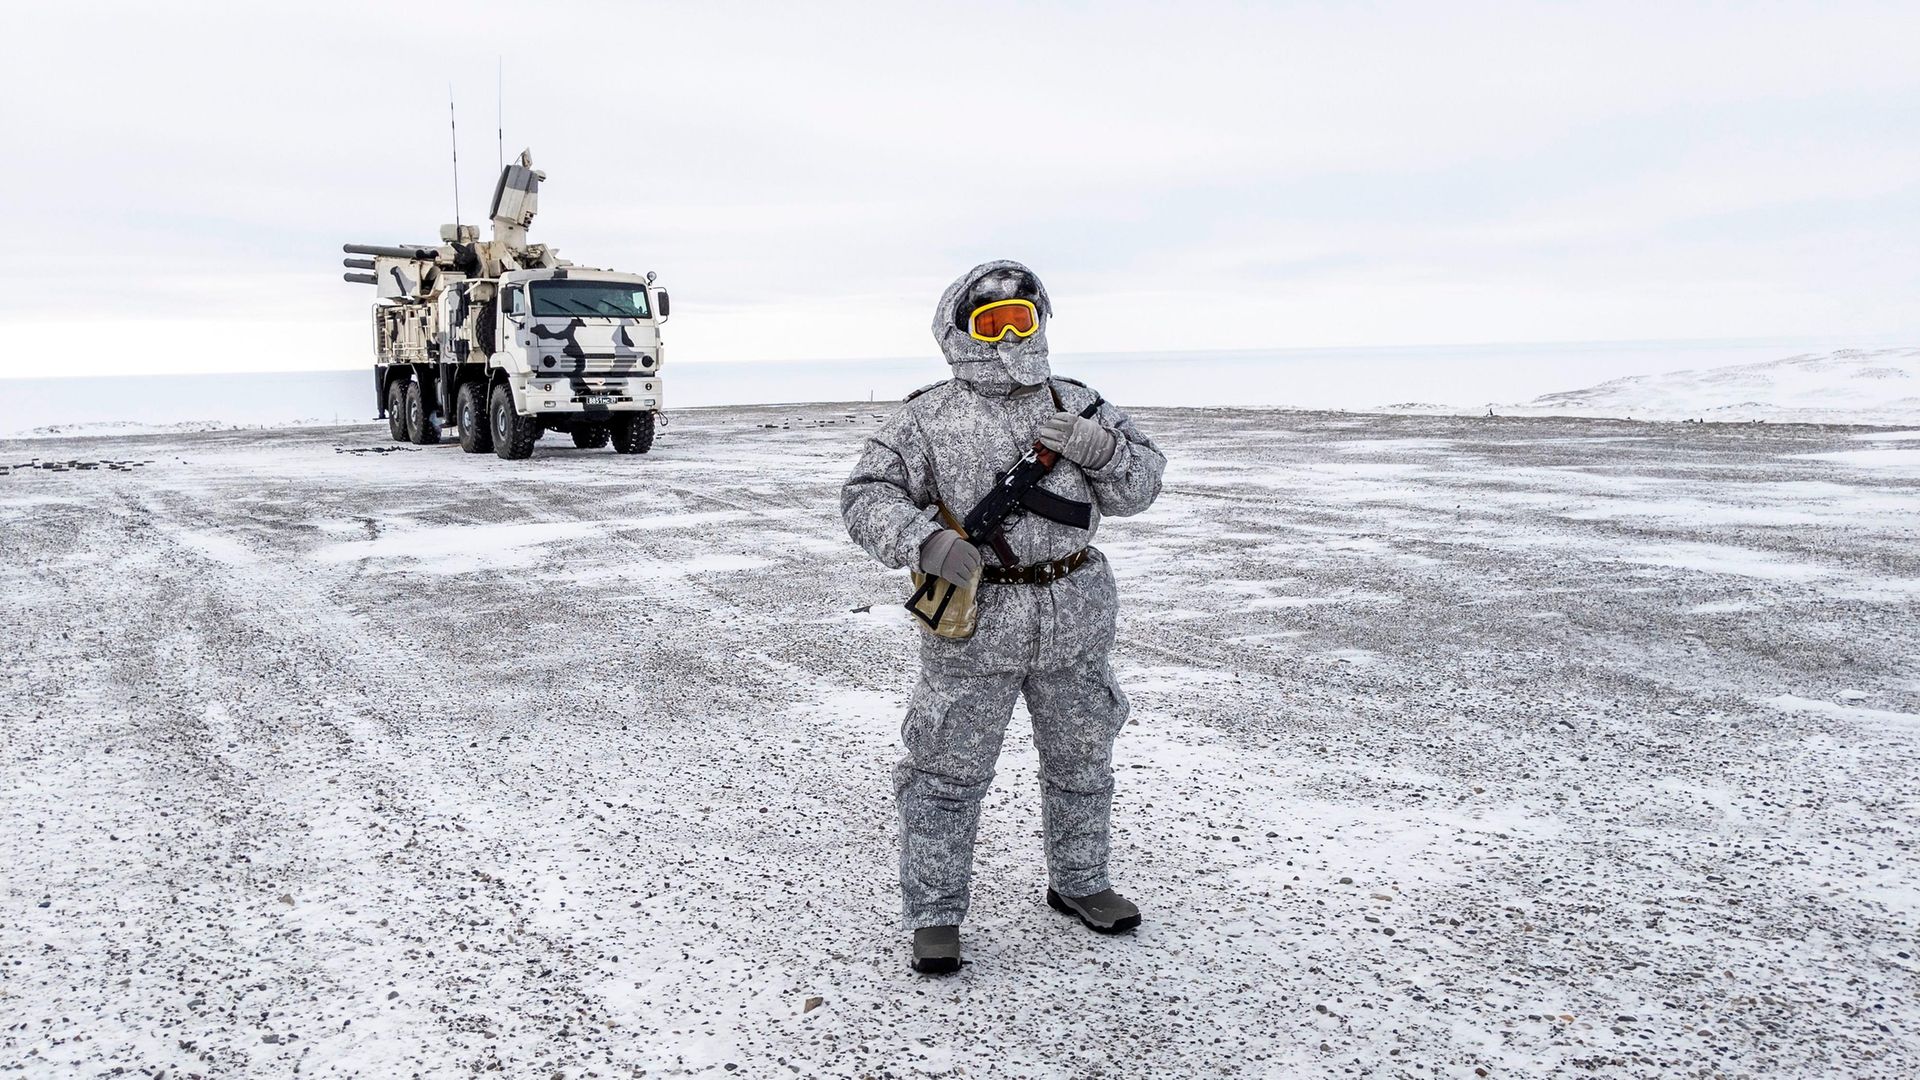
(516, 199)
(411, 270)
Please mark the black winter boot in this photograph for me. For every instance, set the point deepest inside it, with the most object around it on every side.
(936, 950)
(1105, 912)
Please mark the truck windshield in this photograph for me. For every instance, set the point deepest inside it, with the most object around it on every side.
(595, 299)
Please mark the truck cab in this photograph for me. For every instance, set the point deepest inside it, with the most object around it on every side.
(577, 346)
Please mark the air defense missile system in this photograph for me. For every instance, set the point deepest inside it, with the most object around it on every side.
(508, 341)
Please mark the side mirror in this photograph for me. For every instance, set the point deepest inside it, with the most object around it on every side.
(660, 302)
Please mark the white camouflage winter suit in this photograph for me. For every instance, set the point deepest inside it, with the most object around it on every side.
(1048, 642)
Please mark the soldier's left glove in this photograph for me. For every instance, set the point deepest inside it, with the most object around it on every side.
(1078, 439)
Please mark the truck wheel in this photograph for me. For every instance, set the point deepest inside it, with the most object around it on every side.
(513, 434)
(633, 433)
(423, 428)
(484, 324)
(397, 410)
(476, 429)
(591, 438)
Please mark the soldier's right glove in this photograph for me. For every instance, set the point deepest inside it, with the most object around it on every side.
(948, 556)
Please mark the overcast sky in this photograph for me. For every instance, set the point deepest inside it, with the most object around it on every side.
(805, 178)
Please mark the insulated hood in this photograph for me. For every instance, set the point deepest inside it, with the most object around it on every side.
(998, 366)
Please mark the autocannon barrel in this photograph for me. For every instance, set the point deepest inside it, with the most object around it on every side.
(357, 264)
(361, 279)
(389, 252)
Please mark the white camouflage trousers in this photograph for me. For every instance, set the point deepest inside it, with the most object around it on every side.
(1048, 643)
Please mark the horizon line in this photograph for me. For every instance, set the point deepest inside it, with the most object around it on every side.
(1831, 345)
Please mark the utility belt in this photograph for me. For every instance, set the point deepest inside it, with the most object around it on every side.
(1038, 574)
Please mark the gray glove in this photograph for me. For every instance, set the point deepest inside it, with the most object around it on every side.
(947, 555)
(1077, 438)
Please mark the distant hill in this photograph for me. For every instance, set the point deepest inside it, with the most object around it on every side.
(1850, 386)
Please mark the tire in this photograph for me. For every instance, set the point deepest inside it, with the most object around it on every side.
(485, 323)
(423, 427)
(397, 410)
(633, 433)
(512, 433)
(591, 438)
(470, 412)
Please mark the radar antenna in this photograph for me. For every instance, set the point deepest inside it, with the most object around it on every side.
(453, 127)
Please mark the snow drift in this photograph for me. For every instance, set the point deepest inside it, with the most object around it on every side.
(1849, 386)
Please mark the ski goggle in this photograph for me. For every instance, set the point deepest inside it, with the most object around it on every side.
(992, 322)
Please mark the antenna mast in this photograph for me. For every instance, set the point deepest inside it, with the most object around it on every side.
(499, 111)
(453, 128)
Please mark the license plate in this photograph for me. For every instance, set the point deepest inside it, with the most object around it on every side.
(599, 401)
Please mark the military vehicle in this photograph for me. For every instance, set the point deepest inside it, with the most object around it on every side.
(509, 340)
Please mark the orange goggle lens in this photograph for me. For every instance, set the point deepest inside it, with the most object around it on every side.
(992, 322)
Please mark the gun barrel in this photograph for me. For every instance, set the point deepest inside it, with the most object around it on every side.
(357, 264)
(389, 252)
(361, 279)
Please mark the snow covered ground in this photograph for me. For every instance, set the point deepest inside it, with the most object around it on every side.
(1462, 748)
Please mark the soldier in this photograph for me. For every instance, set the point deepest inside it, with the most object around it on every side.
(1045, 617)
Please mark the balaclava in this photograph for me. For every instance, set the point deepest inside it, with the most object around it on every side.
(994, 367)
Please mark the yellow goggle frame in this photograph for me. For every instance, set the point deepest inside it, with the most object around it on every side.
(1004, 323)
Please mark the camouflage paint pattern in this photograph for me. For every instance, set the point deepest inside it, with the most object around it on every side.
(1048, 643)
(444, 295)
(594, 356)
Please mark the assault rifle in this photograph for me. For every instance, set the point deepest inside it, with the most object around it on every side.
(985, 526)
